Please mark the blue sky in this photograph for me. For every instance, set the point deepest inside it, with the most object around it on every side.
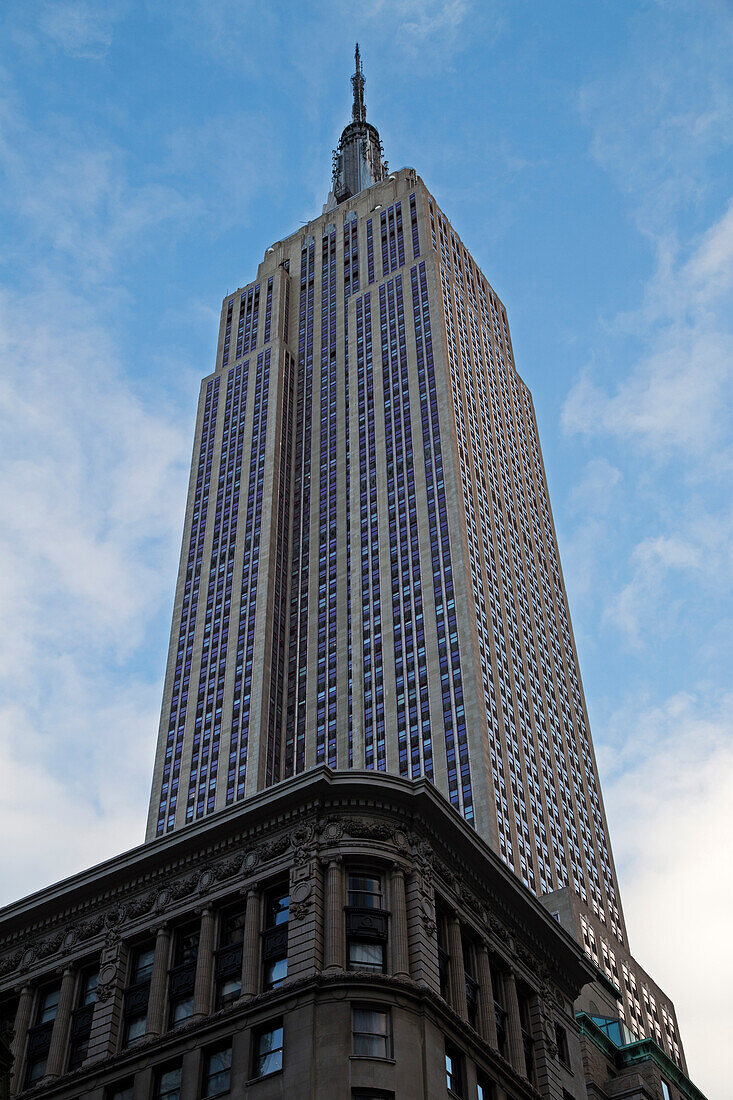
(150, 152)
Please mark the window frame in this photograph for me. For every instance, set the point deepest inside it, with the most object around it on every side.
(266, 1028)
(207, 1075)
(386, 1036)
(455, 1077)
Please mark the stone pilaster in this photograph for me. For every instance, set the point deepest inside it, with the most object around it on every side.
(487, 1015)
(456, 969)
(251, 945)
(20, 1032)
(398, 928)
(204, 965)
(335, 938)
(60, 1033)
(515, 1046)
(159, 982)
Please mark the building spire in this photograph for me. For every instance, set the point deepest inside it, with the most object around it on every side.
(358, 111)
(358, 162)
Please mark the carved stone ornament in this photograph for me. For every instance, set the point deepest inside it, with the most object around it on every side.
(299, 910)
(250, 861)
(331, 831)
(371, 830)
(206, 879)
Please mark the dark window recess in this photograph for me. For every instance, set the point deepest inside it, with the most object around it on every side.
(228, 957)
(527, 1040)
(168, 1083)
(561, 1042)
(267, 1049)
(275, 937)
(137, 994)
(81, 1019)
(182, 976)
(39, 1036)
(217, 1077)
(121, 1090)
(454, 1069)
(367, 923)
(500, 1018)
(484, 1088)
(471, 984)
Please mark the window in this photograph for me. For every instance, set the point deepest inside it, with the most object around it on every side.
(182, 975)
(485, 1089)
(217, 1071)
(81, 1018)
(122, 1090)
(228, 959)
(371, 1094)
(372, 1032)
(138, 993)
(365, 890)
(168, 1083)
(267, 1049)
(39, 1036)
(666, 1094)
(561, 1042)
(453, 1069)
(48, 1005)
(366, 922)
(275, 936)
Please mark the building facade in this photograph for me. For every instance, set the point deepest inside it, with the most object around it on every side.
(369, 575)
(340, 937)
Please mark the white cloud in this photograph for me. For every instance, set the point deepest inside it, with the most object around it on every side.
(92, 483)
(668, 787)
(655, 602)
(78, 27)
(676, 396)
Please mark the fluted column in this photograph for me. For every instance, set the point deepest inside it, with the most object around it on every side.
(204, 965)
(20, 1031)
(158, 982)
(487, 1014)
(251, 945)
(398, 930)
(456, 968)
(62, 1019)
(334, 939)
(514, 1025)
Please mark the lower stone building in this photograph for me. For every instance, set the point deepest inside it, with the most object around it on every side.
(347, 936)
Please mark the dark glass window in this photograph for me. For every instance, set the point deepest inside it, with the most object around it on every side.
(48, 1004)
(453, 1069)
(39, 1036)
(366, 956)
(372, 1031)
(182, 975)
(142, 963)
(275, 936)
(217, 1071)
(168, 1083)
(666, 1094)
(81, 1018)
(485, 1089)
(561, 1042)
(365, 890)
(228, 960)
(123, 1090)
(267, 1049)
(137, 993)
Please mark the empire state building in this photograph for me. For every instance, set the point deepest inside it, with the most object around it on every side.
(369, 577)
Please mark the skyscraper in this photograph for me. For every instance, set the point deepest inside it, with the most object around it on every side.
(369, 576)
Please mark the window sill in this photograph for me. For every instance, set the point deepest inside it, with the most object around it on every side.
(264, 1077)
(372, 1058)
